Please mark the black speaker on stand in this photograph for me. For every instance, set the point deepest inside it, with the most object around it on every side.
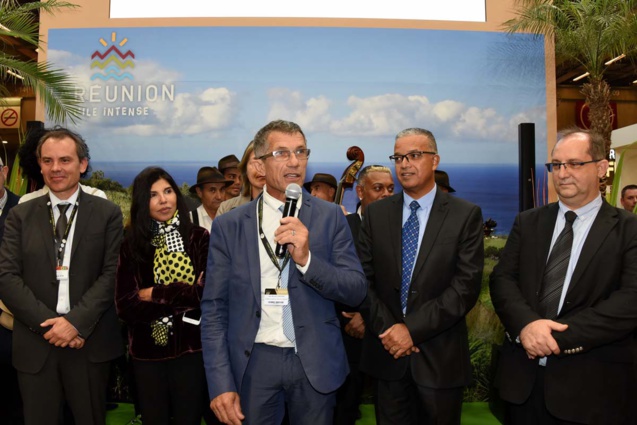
(526, 151)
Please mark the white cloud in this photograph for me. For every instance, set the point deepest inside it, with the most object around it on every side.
(385, 115)
(311, 114)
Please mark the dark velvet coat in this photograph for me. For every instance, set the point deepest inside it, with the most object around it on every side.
(174, 299)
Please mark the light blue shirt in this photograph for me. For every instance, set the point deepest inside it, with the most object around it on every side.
(581, 226)
(422, 213)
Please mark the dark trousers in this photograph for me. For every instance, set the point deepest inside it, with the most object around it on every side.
(10, 401)
(275, 377)
(348, 397)
(67, 375)
(174, 388)
(403, 402)
(534, 411)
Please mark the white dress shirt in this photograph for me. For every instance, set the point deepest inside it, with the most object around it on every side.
(41, 192)
(64, 299)
(271, 325)
(204, 219)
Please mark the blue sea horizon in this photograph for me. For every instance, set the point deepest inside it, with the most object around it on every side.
(494, 187)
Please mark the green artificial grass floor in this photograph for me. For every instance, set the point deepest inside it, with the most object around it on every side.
(472, 414)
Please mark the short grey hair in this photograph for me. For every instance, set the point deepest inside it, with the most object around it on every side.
(261, 138)
(415, 131)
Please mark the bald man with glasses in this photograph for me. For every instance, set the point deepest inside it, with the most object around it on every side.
(566, 290)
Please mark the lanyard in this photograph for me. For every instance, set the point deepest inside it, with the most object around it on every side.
(266, 244)
(62, 244)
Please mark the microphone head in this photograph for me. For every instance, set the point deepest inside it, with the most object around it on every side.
(293, 191)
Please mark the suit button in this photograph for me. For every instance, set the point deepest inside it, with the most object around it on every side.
(247, 353)
(258, 313)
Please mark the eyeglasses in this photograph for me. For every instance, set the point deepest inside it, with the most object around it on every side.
(284, 155)
(411, 156)
(572, 165)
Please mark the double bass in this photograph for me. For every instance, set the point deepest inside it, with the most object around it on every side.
(355, 154)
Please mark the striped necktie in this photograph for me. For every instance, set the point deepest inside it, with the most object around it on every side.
(556, 268)
(288, 322)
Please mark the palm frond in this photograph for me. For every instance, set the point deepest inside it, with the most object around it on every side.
(55, 87)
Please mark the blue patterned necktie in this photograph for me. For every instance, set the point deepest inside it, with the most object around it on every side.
(556, 268)
(410, 247)
(288, 322)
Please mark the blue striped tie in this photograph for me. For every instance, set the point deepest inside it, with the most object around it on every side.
(288, 322)
(410, 247)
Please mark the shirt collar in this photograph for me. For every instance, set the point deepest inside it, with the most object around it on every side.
(585, 211)
(274, 203)
(72, 199)
(425, 202)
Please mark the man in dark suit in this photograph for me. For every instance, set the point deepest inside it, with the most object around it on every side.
(8, 199)
(374, 182)
(57, 275)
(270, 339)
(422, 253)
(10, 402)
(566, 290)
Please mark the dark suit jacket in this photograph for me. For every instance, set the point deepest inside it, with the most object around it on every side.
(354, 221)
(353, 346)
(231, 303)
(593, 379)
(12, 201)
(29, 288)
(445, 285)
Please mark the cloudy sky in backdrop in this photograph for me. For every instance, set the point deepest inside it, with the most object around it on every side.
(344, 86)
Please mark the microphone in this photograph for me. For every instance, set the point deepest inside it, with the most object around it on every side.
(292, 194)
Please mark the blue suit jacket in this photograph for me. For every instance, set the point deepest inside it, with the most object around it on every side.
(231, 303)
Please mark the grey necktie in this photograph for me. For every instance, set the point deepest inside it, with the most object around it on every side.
(60, 226)
(556, 268)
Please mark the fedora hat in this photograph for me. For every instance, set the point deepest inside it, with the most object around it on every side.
(328, 179)
(226, 162)
(442, 180)
(209, 175)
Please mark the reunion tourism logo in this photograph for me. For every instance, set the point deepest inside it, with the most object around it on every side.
(114, 91)
(112, 63)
